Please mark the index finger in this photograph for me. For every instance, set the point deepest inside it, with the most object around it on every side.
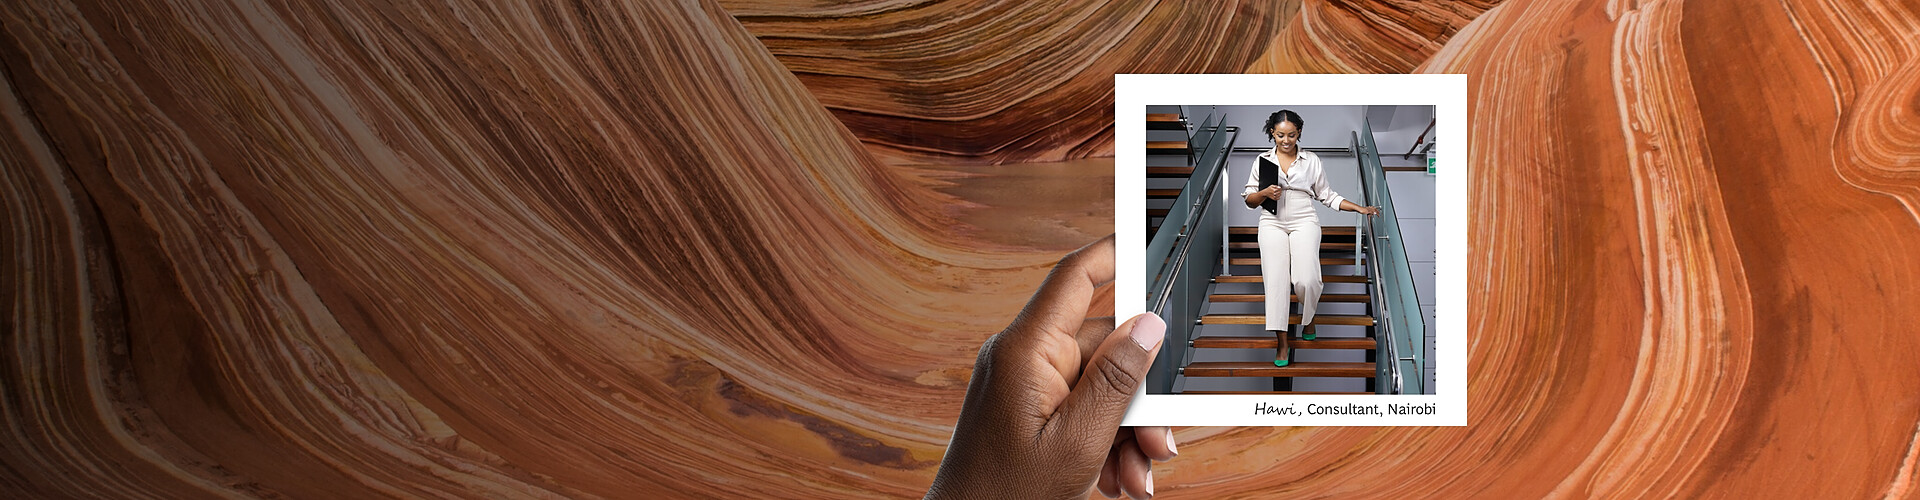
(1061, 303)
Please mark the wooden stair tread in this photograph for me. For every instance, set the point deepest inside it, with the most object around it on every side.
(1257, 297)
(1325, 246)
(1324, 230)
(1266, 369)
(1268, 342)
(1163, 193)
(1324, 278)
(1293, 319)
(1278, 392)
(1159, 212)
(1255, 261)
(1165, 121)
(1169, 172)
(1167, 146)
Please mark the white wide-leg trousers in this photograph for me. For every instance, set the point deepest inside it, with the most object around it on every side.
(1290, 259)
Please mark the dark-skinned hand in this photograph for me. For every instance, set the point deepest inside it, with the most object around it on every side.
(1042, 413)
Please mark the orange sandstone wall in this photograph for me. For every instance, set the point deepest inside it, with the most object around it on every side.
(748, 249)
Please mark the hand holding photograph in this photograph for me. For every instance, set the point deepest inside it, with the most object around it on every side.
(1300, 267)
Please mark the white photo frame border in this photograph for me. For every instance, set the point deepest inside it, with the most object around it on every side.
(1446, 93)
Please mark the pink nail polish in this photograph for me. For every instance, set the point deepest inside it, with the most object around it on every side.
(1148, 331)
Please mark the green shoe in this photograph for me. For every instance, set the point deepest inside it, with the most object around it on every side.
(1284, 354)
(1307, 332)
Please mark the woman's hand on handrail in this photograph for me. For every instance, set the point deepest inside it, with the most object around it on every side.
(1355, 207)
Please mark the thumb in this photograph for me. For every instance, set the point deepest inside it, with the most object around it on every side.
(1106, 385)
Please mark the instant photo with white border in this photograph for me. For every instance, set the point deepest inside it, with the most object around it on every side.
(1447, 406)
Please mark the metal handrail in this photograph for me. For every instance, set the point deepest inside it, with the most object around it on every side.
(1419, 140)
(1383, 319)
(1385, 312)
(1360, 224)
(1177, 258)
(1366, 199)
(1226, 230)
(1199, 208)
(1393, 326)
(1159, 305)
(1259, 149)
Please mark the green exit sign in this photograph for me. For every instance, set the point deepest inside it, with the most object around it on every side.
(1430, 167)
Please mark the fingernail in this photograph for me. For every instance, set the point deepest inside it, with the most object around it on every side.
(1149, 484)
(1148, 331)
(1170, 446)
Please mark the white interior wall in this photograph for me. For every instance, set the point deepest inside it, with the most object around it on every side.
(1402, 126)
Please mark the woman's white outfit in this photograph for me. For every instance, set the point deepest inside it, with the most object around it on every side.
(1290, 239)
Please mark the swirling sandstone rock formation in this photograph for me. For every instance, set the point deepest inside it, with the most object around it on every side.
(477, 249)
(1365, 36)
(499, 249)
(997, 81)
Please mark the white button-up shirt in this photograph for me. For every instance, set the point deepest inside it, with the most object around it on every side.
(1305, 175)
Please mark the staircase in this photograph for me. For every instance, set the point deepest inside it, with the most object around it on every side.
(1205, 279)
(1337, 261)
(1163, 145)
